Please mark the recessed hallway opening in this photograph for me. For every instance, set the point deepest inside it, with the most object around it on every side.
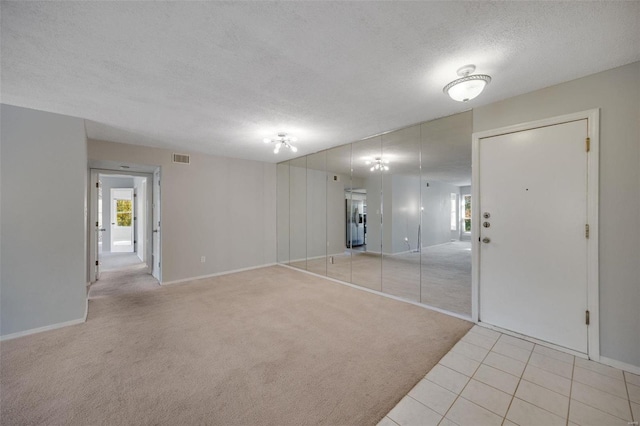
(122, 273)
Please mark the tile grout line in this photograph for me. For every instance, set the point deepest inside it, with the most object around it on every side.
(518, 385)
(470, 378)
(571, 390)
(626, 387)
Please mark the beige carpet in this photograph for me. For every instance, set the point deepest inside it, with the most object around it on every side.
(271, 346)
(123, 274)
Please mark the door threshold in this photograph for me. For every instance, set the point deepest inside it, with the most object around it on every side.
(534, 340)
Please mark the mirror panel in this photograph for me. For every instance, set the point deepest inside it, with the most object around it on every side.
(364, 222)
(446, 247)
(401, 214)
(298, 212)
(282, 212)
(317, 213)
(338, 200)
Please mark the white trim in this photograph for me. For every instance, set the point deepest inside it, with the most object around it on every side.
(217, 274)
(86, 309)
(379, 293)
(620, 365)
(41, 329)
(593, 131)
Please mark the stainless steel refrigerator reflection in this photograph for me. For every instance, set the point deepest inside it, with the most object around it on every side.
(356, 223)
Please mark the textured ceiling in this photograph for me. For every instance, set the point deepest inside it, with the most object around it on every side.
(218, 77)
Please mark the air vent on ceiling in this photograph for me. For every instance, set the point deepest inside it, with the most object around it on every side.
(181, 158)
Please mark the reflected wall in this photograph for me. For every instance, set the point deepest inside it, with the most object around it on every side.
(385, 213)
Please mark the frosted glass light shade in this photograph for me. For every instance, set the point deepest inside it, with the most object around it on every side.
(466, 88)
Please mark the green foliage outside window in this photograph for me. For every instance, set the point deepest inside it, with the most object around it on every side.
(123, 208)
(467, 213)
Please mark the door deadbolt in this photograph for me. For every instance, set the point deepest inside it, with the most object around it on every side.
(486, 240)
(486, 224)
(486, 215)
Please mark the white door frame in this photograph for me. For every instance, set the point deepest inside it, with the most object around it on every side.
(593, 132)
(93, 253)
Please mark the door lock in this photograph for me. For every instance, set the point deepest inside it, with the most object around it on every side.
(486, 240)
(486, 224)
(486, 215)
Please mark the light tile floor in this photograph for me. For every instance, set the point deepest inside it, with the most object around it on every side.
(489, 378)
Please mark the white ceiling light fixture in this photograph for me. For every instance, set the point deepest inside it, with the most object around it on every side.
(282, 140)
(378, 164)
(468, 86)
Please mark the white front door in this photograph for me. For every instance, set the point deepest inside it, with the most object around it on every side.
(533, 245)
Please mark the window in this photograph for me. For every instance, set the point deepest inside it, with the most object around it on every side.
(454, 211)
(123, 209)
(467, 213)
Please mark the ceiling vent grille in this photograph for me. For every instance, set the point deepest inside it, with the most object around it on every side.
(181, 158)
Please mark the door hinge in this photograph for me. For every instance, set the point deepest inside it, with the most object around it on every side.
(97, 184)
(97, 224)
(586, 319)
(586, 231)
(588, 142)
(96, 263)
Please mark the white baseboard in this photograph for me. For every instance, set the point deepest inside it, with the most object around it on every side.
(620, 365)
(217, 274)
(45, 328)
(379, 293)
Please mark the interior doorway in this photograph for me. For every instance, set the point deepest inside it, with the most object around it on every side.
(537, 242)
(122, 248)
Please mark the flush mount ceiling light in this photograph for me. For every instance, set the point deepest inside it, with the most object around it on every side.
(468, 86)
(282, 140)
(378, 164)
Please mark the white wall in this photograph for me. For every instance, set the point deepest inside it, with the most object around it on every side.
(436, 216)
(298, 212)
(220, 208)
(316, 213)
(617, 93)
(109, 183)
(43, 169)
(283, 212)
(404, 216)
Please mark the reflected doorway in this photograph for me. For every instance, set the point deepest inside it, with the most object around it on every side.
(356, 214)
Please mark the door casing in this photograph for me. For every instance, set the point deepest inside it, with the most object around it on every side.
(93, 214)
(593, 132)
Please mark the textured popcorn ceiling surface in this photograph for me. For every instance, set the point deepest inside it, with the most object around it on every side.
(218, 77)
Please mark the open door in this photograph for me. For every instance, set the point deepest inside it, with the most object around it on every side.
(156, 257)
(96, 224)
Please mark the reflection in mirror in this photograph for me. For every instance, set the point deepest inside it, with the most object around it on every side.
(317, 213)
(364, 225)
(298, 212)
(338, 202)
(446, 244)
(282, 209)
(401, 214)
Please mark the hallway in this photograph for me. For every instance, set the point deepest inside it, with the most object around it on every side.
(122, 273)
